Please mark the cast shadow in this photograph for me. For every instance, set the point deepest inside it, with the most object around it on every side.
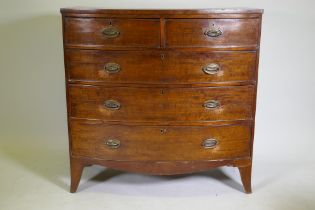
(34, 54)
(50, 164)
(120, 177)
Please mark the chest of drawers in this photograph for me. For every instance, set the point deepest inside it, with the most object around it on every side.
(161, 91)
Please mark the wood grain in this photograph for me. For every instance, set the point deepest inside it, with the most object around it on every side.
(163, 167)
(161, 104)
(190, 32)
(156, 13)
(164, 67)
(133, 32)
(159, 143)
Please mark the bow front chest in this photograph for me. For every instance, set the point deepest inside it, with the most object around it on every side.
(161, 91)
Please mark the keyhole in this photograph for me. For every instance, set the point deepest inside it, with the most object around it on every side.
(162, 56)
(162, 91)
(110, 22)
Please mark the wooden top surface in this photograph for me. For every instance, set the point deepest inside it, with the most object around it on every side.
(89, 10)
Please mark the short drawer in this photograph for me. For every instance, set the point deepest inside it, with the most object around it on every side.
(112, 32)
(159, 143)
(212, 32)
(160, 67)
(161, 104)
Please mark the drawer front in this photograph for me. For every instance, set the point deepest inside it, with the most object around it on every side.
(112, 32)
(160, 67)
(159, 143)
(212, 32)
(161, 104)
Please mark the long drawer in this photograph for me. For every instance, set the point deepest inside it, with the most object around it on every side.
(160, 67)
(159, 143)
(161, 104)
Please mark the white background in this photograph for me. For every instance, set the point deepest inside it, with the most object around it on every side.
(33, 134)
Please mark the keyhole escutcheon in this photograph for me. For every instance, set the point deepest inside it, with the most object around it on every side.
(162, 56)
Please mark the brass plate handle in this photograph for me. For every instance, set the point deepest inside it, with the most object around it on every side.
(209, 143)
(211, 68)
(112, 143)
(213, 32)
(112, 67)
(112, 104)
(110, 32)
(211, 104)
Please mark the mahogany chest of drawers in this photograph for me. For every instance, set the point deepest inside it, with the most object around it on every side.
(161, 91)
